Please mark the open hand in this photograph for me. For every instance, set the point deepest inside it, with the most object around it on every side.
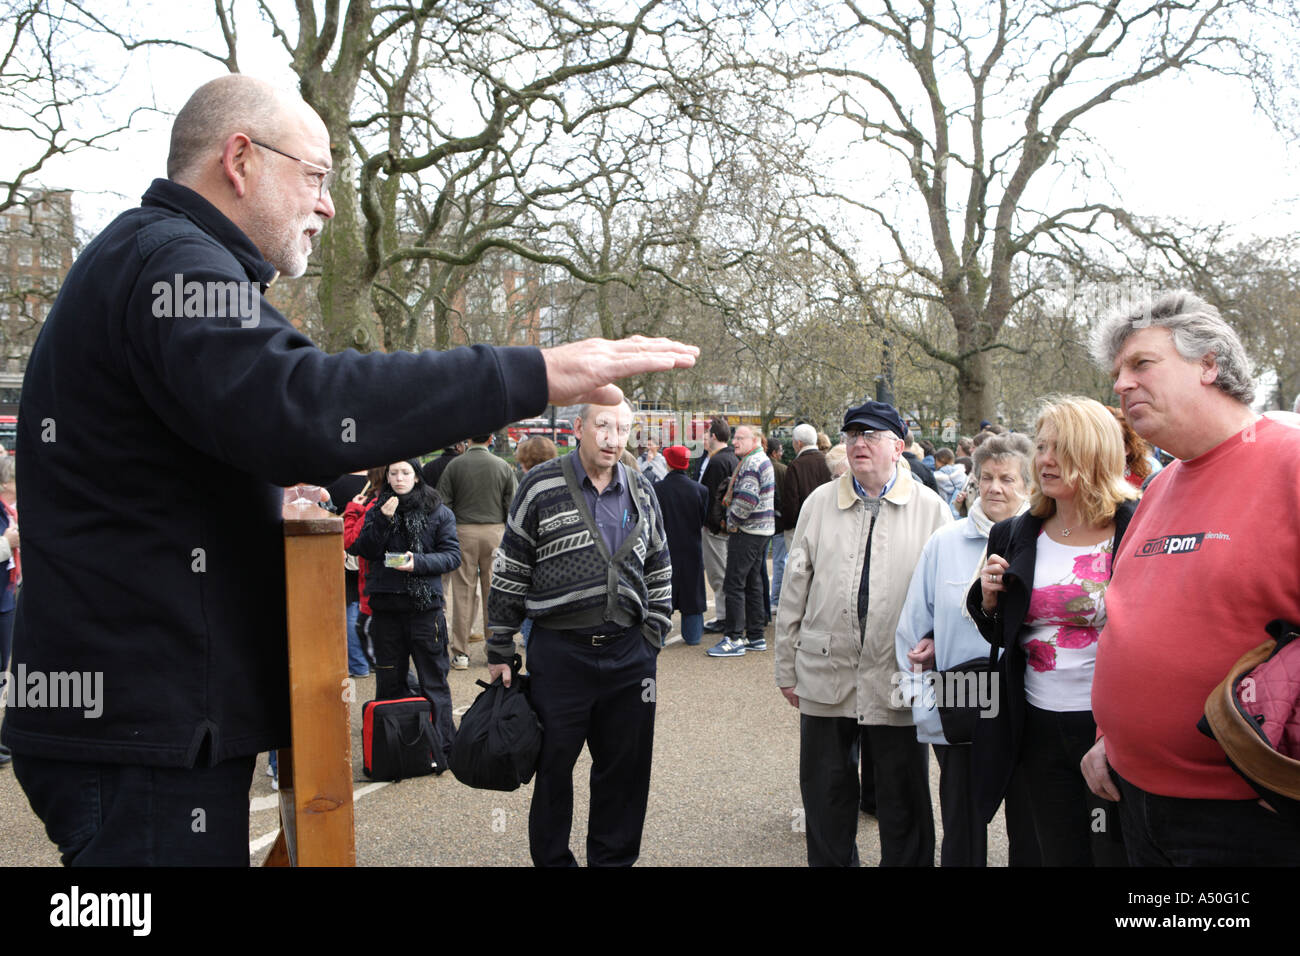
(580, 372)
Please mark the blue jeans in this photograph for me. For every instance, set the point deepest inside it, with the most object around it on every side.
(358, 666)
(692, 628)
(778, 567)
(526, 629)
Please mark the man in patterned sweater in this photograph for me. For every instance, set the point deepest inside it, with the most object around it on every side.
(585, 556)
(751, 521)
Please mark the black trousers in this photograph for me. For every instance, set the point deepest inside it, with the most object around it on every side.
(603, 697)
(868, 775)
(1074, 826)
(1175, 831)
(743, 584)
(1018, 811)
(420, 636)
(114, 815)
(965, 836)
(828, 782)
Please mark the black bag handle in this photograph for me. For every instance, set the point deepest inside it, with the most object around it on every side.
(394, 743)
(391, 746)
(516, 665)
(1282, 631)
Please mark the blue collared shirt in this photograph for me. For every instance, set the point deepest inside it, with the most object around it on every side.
(862, 492)
(612, 508)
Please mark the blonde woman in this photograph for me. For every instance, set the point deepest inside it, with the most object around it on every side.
(1041, 597)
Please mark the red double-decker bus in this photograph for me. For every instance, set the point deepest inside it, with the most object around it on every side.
(9, 432)
(561, 433)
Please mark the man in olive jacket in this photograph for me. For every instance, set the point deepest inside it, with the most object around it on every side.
(855, 547)
(478, 488)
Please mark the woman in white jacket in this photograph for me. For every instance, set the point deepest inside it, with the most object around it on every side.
(935, 633)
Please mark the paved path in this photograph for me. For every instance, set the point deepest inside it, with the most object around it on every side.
(724, 790)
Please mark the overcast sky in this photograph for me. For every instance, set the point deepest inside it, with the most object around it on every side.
(1190, 147)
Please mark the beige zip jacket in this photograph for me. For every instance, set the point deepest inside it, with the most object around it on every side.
(820, 651)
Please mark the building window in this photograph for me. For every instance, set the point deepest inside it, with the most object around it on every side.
(50, 258)
(24, 255)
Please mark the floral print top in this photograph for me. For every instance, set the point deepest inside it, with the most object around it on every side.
(1067, 611)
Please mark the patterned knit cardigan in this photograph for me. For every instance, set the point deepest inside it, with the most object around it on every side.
(753, 487)
(553, 559)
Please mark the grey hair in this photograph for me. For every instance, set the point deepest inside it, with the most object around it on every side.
(6, 468)
(1197, 329)
(585, 408)
(234, 103)
(1002, 447)
(805, 434)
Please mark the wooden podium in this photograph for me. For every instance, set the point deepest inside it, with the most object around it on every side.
(316, 824)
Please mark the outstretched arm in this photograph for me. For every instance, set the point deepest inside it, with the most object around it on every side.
(583, 371)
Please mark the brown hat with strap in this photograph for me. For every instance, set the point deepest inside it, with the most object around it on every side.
(1254, 714)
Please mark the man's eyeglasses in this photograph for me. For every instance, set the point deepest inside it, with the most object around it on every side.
(853, 437)
(327, 176)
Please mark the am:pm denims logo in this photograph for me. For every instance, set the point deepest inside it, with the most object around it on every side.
(1171, 544)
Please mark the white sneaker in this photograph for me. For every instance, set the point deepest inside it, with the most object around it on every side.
(460, 662)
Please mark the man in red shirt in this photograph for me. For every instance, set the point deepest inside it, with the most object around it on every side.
(1209, 559)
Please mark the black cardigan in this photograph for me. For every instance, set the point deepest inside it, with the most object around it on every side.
(997, 739)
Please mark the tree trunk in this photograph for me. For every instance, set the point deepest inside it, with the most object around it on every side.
(974, 403)
(344, 290)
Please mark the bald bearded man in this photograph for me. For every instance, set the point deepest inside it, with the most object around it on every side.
(156, 576)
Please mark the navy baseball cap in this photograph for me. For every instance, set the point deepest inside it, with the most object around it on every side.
(875, 415)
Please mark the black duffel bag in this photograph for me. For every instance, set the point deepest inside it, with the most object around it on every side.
(499, 738)
(398, 739)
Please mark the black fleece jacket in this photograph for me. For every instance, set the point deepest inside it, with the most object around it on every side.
(149, 447)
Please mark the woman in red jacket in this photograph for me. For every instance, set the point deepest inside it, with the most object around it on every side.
(354, 518)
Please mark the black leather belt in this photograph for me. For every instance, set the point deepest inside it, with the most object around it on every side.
(588, 640)
(595, 640)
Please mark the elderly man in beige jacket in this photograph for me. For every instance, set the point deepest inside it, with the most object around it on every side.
(851, 559)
